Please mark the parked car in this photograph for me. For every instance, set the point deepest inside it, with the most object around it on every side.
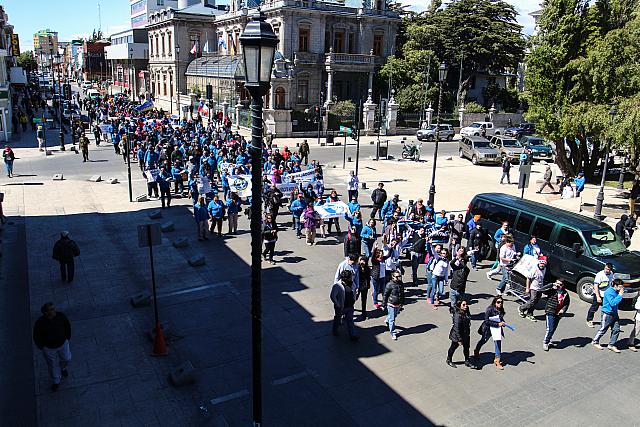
(446, 132)
(520, 130)
(478, 150)
(476, 128)
(576, 246)
(539, 150)
(93, 94)
(507, 147)
(86, 85)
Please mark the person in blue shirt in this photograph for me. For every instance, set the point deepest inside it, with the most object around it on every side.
(369, 236)
(610, 319)
(353, 205)
(297, 208)
(216, 214)
(142, 152)
(151, 158)
(200, 214)
(224, 182)
(441, 218)
(355, 220)
(164, 181)
(499, 232)
(389, 208)
(532, 247)
(176, 174)
(579, 182)
(233, 208)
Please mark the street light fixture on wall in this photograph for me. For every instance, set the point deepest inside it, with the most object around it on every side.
(597, 214)
(258, 48)
(442, 77)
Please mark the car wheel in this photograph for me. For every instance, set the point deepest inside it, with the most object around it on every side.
(419, 138)
(431, 138)
(450, 138)
(474, 159)
(461, 154)
(476, 134)
(585, 289)
(497, 133)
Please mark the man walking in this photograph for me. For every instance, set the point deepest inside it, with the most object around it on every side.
(548, 174)
(506, 168)
(601, 282)
(343, 297)
(507, 254)
(64, 251)
(557, 304)
(610, 302)
(51, 334)
(84, 147)
(378, 197)
(352, 186)
(393, 301)
(350, 264)
(418, 252)
(304, 152)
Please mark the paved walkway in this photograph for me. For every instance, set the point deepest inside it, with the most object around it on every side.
(310, 377)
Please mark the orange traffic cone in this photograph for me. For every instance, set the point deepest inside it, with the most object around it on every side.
(159, 345)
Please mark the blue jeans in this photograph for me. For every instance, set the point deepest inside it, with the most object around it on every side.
(391, 318)
(297, 224)
(474, 259)
(367, 247)
(377, 283)
(497, 345)
(552, 324)
(437, 288)
(612, 321)
(503, 282)
(9, 165)
(454, 296)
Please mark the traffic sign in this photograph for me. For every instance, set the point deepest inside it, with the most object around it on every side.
(37, 120)
(344, 129)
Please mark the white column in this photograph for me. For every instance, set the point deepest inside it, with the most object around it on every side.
(329, 89)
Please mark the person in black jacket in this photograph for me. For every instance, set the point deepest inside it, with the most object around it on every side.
(393, 301)
(557, 304)
(270, 237)
(64, 250)
(476, 240)
(621, 230)
(460, 334)
(495, 310)
(506, 168)
(352, 243)
(51, 334)
(418, 252)
(364, 276)
(378, 197)
(458, 277)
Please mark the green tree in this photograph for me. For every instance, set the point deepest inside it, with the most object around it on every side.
(483, 33)
(27, 61)
(344, 108)
(582, 62)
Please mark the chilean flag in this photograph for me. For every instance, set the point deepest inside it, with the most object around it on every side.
(203, 109)
(194, 49)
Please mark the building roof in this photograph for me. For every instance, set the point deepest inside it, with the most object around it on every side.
(222, 66)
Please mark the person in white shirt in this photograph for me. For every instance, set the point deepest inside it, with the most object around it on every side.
(507, 254)
(600, 284)
(439, 277)
(535, 282)
(352, 185)
(392, 254)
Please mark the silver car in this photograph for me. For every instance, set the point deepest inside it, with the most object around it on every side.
(508, 147)
(429, 134)
(479, 150)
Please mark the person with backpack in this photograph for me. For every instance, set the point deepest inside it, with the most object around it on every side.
(64, 251)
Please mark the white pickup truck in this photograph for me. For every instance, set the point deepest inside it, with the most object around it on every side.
(476, 128)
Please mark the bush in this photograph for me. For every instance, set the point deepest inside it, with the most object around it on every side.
(474, 107)
(344, 108)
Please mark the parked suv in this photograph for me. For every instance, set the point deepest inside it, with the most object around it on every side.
(476, 128)
(446, 132)
(520, 130)
(577, 247)
(539, 150)
(507, 147)
(479, 150)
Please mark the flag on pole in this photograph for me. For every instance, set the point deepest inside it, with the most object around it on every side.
(206, 43)
(194, 49)
(222, 43)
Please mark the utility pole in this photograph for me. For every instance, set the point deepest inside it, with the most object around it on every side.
(359, 113)
(426, 91)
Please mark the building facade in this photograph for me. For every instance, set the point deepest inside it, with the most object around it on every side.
(45, 46)
(94, 63)
(141, 9)
(128, 58)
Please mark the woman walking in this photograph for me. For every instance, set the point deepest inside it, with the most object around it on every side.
(460, 334)
(8, 157)
(311, 221)
(439, 277)
(493, 318)
(201, 214)
(378, 272)
(369, 236)
(270, 237)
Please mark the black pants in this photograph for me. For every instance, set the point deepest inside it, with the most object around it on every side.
(352, 193)
(117, 148)
(333, 221)
(269, 248)
(595, 306)
(152, 186)
(165, 193)
(529, 306)
(67, 270)
(454, 345)
(304, 157)
(375, 210)
(85, 155)
(363, 300)
(178, 186)
(216, 222)
(141, 164)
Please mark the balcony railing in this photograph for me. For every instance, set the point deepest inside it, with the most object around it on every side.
(350, 58)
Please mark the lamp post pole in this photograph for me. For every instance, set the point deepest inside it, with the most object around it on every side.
(597, 214)
(178, 80)
(131, 73)
(258, 46)
(60, 105)
(432, 189)
(622, 168)
(319, 117)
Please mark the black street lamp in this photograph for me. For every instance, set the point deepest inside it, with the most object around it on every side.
(258, 48)
(60, 102)
(597, 214)
(131, 73)
(442, 76)
(178, 79)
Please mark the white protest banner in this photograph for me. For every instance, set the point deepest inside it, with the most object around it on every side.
(286, 188)
(332, 210)
(303, 176)
(204, 186)
(241, 185)
(527, 265)
(152, 174)
(225, 166)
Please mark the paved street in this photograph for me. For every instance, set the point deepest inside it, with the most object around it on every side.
(310, 377)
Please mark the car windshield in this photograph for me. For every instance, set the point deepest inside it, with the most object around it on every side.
(432, 127)
(510, 143)
(481, 144)
(604, 242)
(535, 141)
(475, 125)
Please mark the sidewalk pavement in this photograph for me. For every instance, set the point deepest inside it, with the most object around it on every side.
(458, 181)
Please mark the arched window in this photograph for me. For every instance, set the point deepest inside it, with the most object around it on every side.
(280, 98)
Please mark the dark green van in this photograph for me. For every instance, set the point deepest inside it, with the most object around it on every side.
(577, 246)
